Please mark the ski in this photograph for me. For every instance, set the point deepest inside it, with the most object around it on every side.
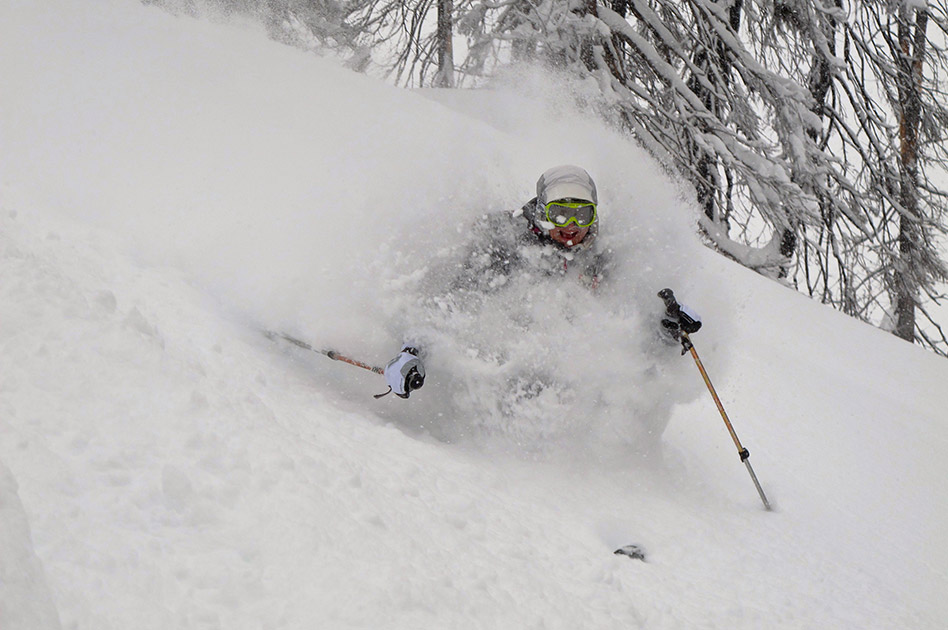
(636, 552)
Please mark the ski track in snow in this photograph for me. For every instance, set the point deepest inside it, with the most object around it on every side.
(162, 465)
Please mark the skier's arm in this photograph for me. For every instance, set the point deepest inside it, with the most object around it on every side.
(492, 253)
(596, 271)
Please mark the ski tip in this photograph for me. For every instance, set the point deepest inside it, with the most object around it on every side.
(636, 552)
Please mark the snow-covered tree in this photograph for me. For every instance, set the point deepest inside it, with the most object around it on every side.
(809, 129)
(883, 119)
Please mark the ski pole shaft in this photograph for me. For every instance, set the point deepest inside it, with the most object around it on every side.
(707, 381)
(743, 452)
(335, 356)
(332, 354)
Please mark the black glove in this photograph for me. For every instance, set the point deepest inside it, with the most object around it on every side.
(678, 318)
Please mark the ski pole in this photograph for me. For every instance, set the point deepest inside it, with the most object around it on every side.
(411, 370)
(332, 354)
(743, 452)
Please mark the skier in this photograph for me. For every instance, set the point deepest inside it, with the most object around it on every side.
(553, 233)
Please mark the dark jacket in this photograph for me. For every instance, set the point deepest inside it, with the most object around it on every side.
(506, 243)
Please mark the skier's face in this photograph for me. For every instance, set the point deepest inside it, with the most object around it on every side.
(570, 236)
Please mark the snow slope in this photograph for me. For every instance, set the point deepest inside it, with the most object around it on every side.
(168, 186)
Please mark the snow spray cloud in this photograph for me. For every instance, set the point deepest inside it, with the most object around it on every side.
(542, 363)
(322, 202)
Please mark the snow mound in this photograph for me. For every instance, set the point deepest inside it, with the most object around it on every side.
(25, 600)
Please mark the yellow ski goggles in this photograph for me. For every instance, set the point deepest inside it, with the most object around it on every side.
(562, 213)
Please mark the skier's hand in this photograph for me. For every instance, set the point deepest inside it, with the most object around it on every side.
(688, 319)
(678, 317)
(405, 373)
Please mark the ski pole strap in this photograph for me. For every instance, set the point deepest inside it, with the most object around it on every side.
(686, 344)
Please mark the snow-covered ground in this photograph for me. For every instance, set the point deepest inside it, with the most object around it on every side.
(168, 187)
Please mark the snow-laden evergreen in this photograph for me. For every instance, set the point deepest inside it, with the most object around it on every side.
(168, 187)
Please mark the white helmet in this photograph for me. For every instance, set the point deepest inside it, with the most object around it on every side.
(565, 182)
(562, 182)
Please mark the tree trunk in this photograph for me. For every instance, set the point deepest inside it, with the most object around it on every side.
(445, 76)
(818, 83)
(910, 229)
(707, 165)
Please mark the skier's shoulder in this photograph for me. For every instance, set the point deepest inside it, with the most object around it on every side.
(501, 228)
(525, 216)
